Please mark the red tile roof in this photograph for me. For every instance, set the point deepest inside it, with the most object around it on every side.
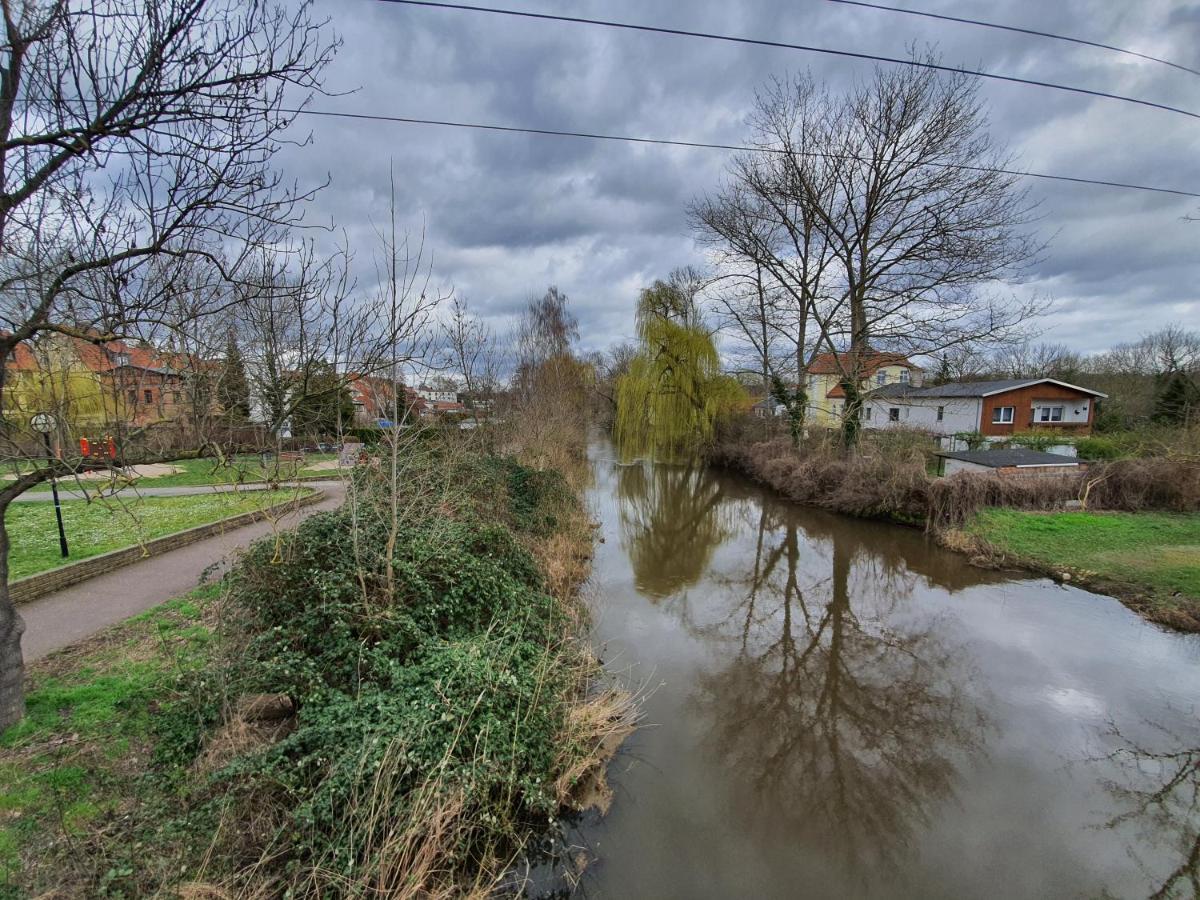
(872, 361)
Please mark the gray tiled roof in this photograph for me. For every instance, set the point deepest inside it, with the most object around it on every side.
(1017, 456)
(968, 388)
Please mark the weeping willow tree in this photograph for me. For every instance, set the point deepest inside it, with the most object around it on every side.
(670, 400)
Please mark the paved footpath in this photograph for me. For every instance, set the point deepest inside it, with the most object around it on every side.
(79, 611)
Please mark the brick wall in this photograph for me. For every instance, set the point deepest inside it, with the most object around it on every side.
(25, 589)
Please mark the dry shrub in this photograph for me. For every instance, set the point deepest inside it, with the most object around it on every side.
(1137, 484)
(954, 500)
(889, 481)
(600, 725)
(876, 485)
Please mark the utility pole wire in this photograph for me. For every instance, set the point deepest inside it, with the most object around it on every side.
(596, 136)
(1018, 30)
(760, 42)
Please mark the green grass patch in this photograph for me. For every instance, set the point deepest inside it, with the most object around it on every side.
(1158, 553)
(82, 750)
(98, 527)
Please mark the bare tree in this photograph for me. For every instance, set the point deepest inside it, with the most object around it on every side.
(133, 140)
(550, 385)
(767, 233)
(1028, 359)
(472, 354)
(910, 213)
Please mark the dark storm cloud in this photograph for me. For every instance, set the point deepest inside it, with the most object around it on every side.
(505, 215)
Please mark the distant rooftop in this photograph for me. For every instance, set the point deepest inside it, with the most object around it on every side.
(1019, 457)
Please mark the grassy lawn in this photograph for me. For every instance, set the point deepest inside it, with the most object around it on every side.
(81, 754)
(98, 527)
(199, 472)
(1155, 553)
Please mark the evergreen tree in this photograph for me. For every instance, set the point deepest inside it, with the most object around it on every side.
(1178, 401)
(233, 391)
(326, 406)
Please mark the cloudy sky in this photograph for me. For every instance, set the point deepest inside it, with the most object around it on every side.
(505, 215)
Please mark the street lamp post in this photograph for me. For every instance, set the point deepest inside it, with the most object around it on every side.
(45, 423)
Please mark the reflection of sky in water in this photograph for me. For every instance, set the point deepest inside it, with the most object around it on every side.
(1076, 703)
(841, 709)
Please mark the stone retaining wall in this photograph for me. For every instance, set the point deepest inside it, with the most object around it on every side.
(30, 588)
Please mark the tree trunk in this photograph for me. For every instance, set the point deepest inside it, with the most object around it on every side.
(12, 627)
(851, 422)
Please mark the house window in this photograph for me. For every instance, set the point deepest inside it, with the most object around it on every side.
(176, 397)
(941, 413)
(133, 397)
(149, 395)
(1002, 415)
(904, 376)
(881, 378)
(1049, 413)
(867, 413)
(893, 414)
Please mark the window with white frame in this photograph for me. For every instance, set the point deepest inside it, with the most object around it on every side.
(1002, 415)
(881, 377)
(1049, 414)
(894, 414)
(867, 413)
(941, 413)
(904, 376)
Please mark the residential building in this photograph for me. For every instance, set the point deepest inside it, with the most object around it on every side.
(374, 400)
(100, 385)
(826, 396)
(995, 409)
(437, 395)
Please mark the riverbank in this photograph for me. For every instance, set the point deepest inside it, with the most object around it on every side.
(1150, 561)
(1126, 551)
(394, 698)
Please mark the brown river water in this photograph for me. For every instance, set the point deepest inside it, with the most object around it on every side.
(838, 708)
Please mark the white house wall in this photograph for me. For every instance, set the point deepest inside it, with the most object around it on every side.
(954, 466)
(959, 414)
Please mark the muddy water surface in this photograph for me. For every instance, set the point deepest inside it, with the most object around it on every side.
(838, 709)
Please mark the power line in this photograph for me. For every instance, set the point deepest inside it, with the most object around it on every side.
(597, 136)
(808, 48)
(1017, 29)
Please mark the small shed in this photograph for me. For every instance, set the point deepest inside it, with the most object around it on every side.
(1018, 462)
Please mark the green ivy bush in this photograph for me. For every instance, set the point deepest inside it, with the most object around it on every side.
(455, 670)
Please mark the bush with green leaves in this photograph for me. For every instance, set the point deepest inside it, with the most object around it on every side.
(430, 648)
(1099, 448)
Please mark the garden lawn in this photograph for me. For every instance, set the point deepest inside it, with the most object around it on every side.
(1157, 554)
(100, 526)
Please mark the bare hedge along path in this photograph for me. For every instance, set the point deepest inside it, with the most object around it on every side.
(79, 611)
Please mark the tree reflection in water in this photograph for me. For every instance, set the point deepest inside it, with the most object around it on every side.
(846, 720)
(672, 521)
(1159, 792)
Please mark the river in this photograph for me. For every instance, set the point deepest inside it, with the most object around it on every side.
(838, 708)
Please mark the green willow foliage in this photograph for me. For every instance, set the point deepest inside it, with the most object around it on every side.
(674, 392)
